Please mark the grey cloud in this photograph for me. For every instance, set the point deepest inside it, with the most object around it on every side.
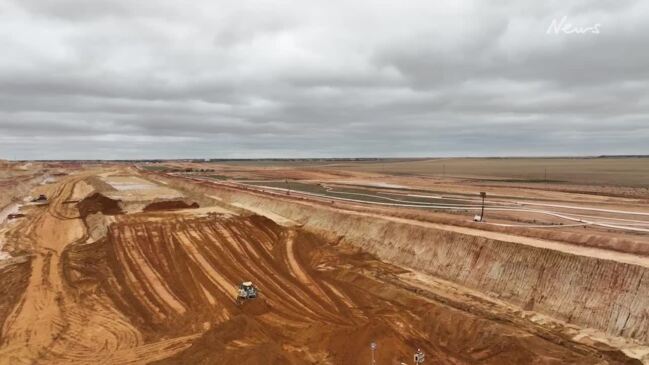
(122, 79)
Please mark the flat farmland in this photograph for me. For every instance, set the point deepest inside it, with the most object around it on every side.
(622, 171)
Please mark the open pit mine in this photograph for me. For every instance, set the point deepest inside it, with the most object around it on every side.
(115, 264)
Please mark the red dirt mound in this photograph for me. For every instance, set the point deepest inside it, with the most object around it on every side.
(170, 205)
(97, 203)
(318, 303)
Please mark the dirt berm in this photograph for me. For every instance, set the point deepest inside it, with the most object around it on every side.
(593, 292)
(320, 303)
(98, 203)
(170, 205)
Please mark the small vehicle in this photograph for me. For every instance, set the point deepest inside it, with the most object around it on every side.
(41, 198)
(419, 357)
(246, 291)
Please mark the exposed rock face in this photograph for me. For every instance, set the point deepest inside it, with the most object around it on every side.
(592, 292)
(177, 277)
(143, 287)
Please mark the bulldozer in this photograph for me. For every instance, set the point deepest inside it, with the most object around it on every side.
(40, 200)
(246, 291)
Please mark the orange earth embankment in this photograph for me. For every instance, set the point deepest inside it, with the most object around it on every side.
(591, 291)
(152, 286)
(318, 304)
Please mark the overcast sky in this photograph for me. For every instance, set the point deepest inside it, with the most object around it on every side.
(246, 79)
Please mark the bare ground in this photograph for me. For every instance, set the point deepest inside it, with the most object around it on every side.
(160, 286)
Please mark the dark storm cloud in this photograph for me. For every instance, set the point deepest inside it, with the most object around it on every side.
(146, 79)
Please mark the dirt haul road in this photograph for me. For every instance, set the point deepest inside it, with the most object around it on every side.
(51, 323)
(160, 286)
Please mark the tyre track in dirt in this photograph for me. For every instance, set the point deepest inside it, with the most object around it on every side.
(37, 322)
(163, 288)
(316, 301)
(50, 325)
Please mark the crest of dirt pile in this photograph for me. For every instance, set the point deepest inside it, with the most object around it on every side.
(99, 203)
(178, 276)
(170, 205)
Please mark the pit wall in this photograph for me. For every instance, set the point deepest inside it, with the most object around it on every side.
(590, 292)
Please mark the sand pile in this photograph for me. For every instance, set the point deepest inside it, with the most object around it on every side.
(319, 303)
(522, 274)
(99, 203)
(170, 205)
